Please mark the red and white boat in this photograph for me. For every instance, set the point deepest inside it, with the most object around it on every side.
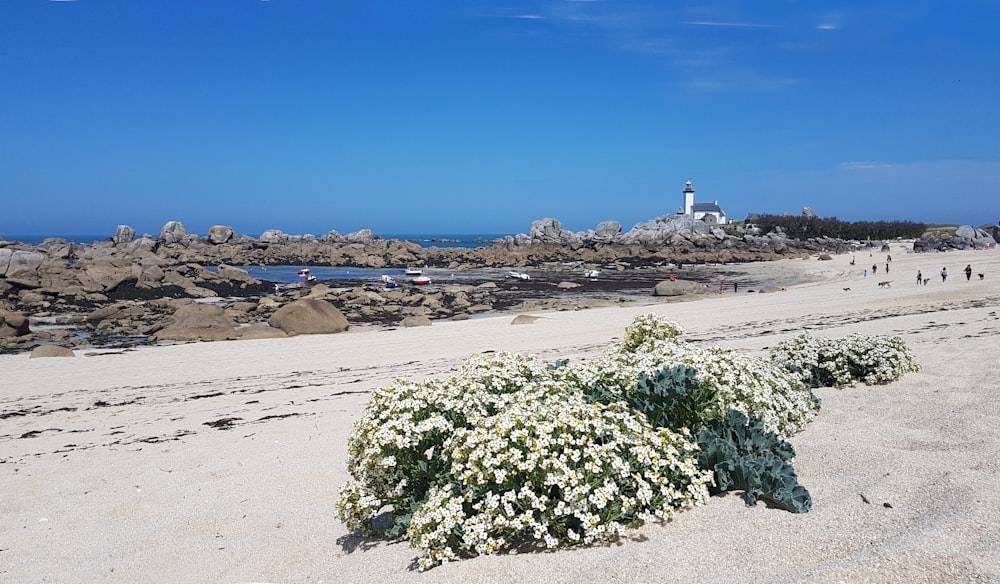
(420, 281)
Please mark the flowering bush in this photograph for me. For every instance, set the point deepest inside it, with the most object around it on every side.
(749, 384)
(843, 362)
(507, 451)
(647, 327)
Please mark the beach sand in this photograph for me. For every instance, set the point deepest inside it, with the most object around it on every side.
(220, 462)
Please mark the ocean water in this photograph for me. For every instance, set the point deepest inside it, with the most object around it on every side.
(466, 240)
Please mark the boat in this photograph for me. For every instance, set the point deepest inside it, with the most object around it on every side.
(518, 275)
(592, 274)
(420, 281)
(413, 271)
(304, 272)
(389, 281)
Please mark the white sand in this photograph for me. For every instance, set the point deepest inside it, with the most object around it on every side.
(139, 489)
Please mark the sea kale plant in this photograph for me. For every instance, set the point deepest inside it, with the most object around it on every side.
(843, 362)
(511, 451)
(506, 453)
(746, 457)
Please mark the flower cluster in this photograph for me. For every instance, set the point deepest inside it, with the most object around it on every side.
(507, 452)
(647, 327)
(752, 385)
(843, 362)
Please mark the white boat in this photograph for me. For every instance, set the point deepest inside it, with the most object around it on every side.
(518, 275)
(413, 271)
(592, 274)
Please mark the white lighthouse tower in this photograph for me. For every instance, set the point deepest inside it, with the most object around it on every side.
(688, 199)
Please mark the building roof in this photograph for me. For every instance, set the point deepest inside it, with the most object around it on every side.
(706, 208)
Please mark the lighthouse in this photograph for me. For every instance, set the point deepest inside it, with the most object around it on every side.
(688, 198)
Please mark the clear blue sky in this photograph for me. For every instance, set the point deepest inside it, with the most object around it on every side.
(448, 116)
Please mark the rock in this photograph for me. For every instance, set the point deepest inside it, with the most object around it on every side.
(173, 232)
(196, 322)
(20, 263)
(261, 332)
(547, 231)
(607, 231)
(272, 236)
(678, 288)
(235, 274)
(51, 351)
(412, 321)
(808, 212)
(309, 316)
(567, 285)
(825, 257)
(524, 319)
(13, 324)
(361, 236)
(219, 234)
(123, 235)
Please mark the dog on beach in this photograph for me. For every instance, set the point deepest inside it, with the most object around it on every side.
(847, 289)
(981, 276)
(885, 284)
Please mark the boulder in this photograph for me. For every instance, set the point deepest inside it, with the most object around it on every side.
(13, 324)
(51, 351)
(123, 235)
(678, 288)
(219, 234)
(412, 321)
(19, 263)
(309, 316)
(173, 232)
(196, 322)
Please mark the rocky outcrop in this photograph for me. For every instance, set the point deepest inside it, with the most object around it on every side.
(309, 316)
(965, 237)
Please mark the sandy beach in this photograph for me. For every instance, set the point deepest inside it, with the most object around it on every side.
(220, 462)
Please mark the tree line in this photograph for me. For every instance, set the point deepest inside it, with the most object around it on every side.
(802, 227)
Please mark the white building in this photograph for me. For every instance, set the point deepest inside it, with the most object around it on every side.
(707, 212)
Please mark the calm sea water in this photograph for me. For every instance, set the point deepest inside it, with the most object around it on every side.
(423, 240)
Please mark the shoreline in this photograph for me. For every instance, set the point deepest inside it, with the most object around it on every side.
(121, 466)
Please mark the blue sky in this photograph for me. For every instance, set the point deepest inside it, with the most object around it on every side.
(447, 116)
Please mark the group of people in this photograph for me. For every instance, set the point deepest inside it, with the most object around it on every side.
(944, 275)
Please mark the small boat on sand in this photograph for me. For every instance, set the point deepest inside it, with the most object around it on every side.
(420, 281)
(592, 274)
(304, 272)
(518, 275)
(413, 271)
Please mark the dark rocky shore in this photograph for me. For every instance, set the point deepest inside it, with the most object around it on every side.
(127, 290)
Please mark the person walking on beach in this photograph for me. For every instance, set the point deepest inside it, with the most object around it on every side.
(887, 268)
(968, 271)
(874, 269)
(944, 274)
(920, 278)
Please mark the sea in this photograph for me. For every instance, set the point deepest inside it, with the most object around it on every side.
(465, 240)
